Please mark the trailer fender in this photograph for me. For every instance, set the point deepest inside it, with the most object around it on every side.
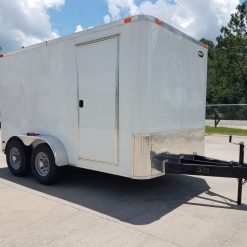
(58, 149)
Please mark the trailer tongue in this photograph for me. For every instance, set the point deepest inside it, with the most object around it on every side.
(203, 166)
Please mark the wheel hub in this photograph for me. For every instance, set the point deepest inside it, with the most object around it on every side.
(15, 158)
(42, 164)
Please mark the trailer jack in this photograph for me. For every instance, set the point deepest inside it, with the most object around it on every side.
(203, 166)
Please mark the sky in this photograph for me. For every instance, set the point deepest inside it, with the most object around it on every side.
(27, 22)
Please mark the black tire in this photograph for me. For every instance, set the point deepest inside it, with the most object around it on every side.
(18, 158)
(43, 164)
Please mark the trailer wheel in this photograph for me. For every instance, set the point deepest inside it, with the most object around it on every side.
(43, 164)
(18, 158)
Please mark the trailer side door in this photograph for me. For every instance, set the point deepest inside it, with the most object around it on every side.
(98, 99)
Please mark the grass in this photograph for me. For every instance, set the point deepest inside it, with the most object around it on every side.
(225, 131)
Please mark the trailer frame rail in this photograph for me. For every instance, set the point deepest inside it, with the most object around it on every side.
(203, 166)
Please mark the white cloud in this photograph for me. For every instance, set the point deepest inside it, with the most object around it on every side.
(117, 7)
(26, 22)
(107, 19)
(196, 18)
(78, 28)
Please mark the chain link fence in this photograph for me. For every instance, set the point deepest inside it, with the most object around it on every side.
(227, 114)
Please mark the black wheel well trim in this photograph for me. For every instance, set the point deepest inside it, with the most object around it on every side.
(15, 138)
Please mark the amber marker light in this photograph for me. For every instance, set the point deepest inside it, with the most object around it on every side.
(127, 20)
(32, 134)
(159, 22)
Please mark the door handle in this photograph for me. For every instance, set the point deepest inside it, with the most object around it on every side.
(81, 103)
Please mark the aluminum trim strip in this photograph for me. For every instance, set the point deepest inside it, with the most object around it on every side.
(171, 28)
(117, 101)
(98, 40)
(97, 161)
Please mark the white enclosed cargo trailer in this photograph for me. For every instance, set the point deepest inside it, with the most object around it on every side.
(103, 99)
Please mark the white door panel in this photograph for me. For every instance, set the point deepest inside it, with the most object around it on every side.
(98, 88)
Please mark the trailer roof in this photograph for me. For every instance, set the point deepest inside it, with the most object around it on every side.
(111, 25)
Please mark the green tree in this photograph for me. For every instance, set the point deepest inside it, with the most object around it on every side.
(227, 70)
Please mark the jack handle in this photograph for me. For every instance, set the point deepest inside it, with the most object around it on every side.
(241, 162)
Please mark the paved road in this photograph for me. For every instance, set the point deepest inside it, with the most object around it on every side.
(92, 209)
